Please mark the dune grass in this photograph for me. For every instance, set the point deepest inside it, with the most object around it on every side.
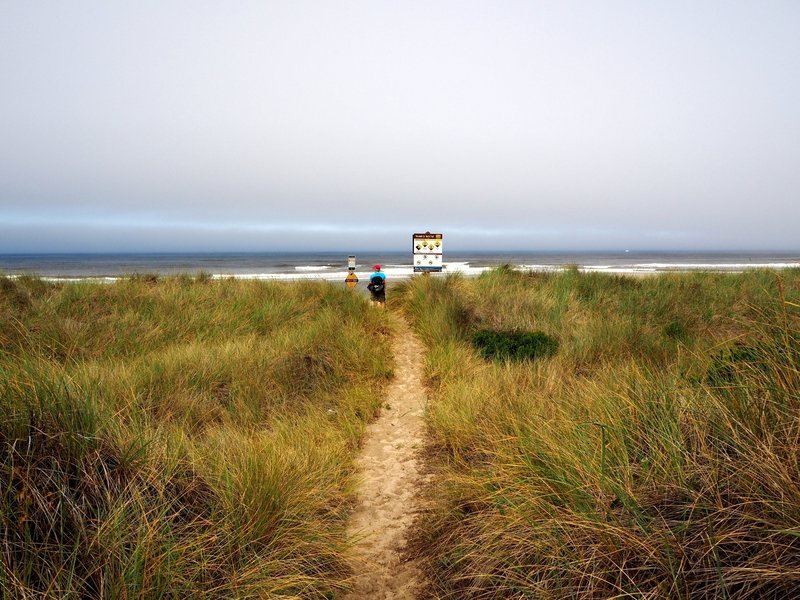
(181, 437)
(655, 454)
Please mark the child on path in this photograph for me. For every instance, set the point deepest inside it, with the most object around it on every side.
(377, 285)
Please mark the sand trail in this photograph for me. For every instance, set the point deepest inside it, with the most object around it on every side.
(390, 470)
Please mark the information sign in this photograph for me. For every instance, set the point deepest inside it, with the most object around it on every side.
(427, 252)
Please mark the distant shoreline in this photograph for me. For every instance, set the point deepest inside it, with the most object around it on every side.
(396, 265)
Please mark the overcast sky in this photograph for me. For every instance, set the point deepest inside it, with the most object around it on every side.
(350, 124)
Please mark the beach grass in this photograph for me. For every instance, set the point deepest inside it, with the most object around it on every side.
(654, 453)
(591, 435)
(181, 437)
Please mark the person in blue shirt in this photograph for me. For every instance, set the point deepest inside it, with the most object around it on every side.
(377, 285)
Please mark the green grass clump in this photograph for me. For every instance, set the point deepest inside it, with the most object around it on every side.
(514, 345)
(655, 455)
(174, 437)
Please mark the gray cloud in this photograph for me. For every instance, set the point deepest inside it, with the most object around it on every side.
(193, 125)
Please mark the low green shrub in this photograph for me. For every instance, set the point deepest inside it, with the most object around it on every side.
(514, 345)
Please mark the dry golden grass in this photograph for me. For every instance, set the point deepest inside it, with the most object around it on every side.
(178, 437)
(656, 455)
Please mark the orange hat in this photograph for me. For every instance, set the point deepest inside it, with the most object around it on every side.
(376, 267)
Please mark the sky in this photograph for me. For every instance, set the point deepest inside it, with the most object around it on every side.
(263, 126)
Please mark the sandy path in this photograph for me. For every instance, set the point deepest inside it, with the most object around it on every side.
(390, 477)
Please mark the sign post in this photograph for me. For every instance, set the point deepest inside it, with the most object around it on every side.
(352, 279)
(427, 250)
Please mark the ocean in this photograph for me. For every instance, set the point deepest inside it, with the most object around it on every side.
(333, 265)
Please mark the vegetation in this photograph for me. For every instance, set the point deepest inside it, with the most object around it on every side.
(514, 345)
(655, 455)
(181, 437)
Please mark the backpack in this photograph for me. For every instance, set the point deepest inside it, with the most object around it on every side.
(376, 285)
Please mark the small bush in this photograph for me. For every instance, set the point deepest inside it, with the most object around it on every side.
(514, 345)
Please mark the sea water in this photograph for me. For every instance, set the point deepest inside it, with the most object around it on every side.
(333, 265)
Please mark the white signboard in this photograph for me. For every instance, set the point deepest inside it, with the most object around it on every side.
(427, 250)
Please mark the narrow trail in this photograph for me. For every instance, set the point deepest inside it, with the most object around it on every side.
(390, 469)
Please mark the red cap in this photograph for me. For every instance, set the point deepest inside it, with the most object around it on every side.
(376, 267)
